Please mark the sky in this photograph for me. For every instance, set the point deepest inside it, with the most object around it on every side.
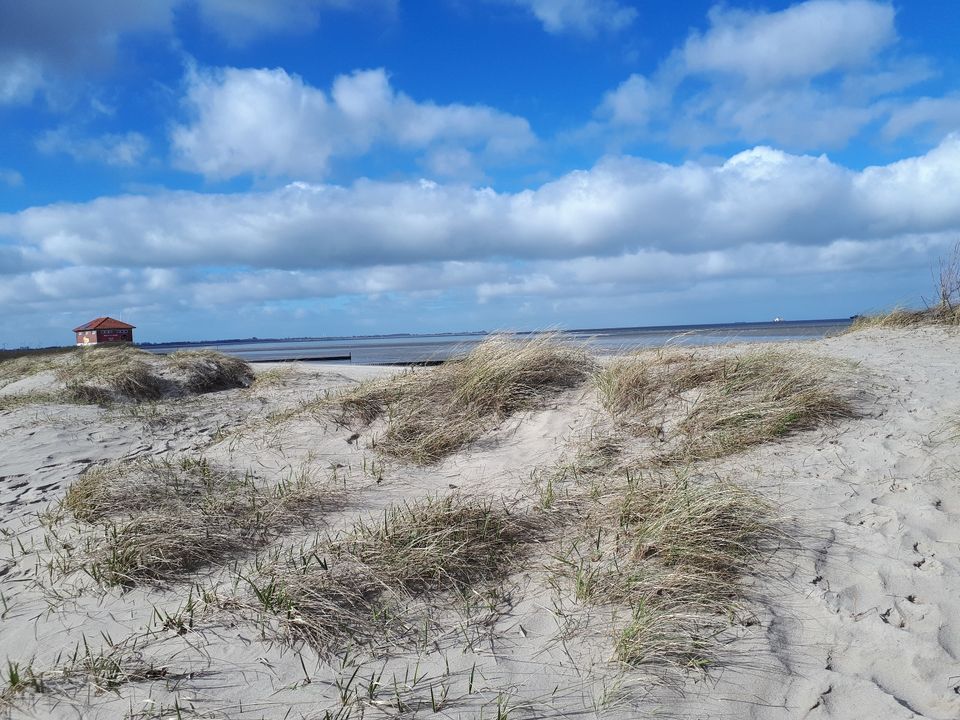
(285, 168)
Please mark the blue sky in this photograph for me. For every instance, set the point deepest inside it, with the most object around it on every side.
(228, 168)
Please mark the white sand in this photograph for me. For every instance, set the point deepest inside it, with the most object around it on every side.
(863, 621)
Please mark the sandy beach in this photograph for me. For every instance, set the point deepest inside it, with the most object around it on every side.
(848, 610)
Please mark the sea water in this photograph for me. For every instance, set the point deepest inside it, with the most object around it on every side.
(401, 349)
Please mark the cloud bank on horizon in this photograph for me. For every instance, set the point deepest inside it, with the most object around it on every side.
(207, 169)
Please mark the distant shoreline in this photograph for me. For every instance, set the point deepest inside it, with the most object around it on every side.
(747, 325)
(428, 349)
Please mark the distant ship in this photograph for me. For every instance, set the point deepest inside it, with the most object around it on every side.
(778, 319)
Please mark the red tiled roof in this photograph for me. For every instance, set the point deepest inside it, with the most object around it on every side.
(104, 323)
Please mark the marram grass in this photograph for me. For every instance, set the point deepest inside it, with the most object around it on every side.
(434, 412)
(163, 520)
(701, 407)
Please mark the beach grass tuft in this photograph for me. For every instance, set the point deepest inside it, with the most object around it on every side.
(701, 407)
(943, 311)
(900, 318)
(435, 411)
(124, 374)
(18, 364)
(163, 519)
(674, 550)
(105, 375)
(356, 585)
(208, 370)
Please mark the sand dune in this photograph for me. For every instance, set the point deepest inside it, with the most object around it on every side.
(853, 616)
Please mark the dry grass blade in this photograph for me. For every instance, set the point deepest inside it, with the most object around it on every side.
(160, 520)
(18, 364)
(434, 412)
(107, 375)
(907, 318)
(708, 407)
(633, 385)
(760, 397)
(104, 375)
(946, 310)
(355, 585)
(715, 529)
(207, 371)
(446, 541)
(676, 559)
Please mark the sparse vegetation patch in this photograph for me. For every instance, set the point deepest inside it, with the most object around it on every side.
(357, 584)
(701, 407)
(207, 370)
(436, 411)
(119, 374)
(673, 550)
(18, 364)
(105, 375)
(944, 310)
(160, 520)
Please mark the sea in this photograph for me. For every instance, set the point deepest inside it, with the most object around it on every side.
(406, 349)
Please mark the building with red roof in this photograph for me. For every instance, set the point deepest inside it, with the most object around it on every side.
(104, 330)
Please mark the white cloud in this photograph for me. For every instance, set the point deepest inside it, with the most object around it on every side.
(812, 76)
(267, 122)
(634, 101)
(117, 149)
(801, 42)
(10, 177)
(761, 197)
(938, 115)
(580, 17)
(627, 240)
(20, 80)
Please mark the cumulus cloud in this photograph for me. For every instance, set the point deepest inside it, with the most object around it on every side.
(268, 122)
(580, 17)
(801, 42)
(811, 76)
(117, 149)
(626, 222)
(628, 241)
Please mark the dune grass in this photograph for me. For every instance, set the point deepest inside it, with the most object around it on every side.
(943, 311)
(119, 374)
(104, 375)
(106, 668)
(701, 407)
(356, 585)
(161, 520)
(673, 550)
(899, 318)
(207, 370)
(27, 399)
(436, 411)
(18, 364)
